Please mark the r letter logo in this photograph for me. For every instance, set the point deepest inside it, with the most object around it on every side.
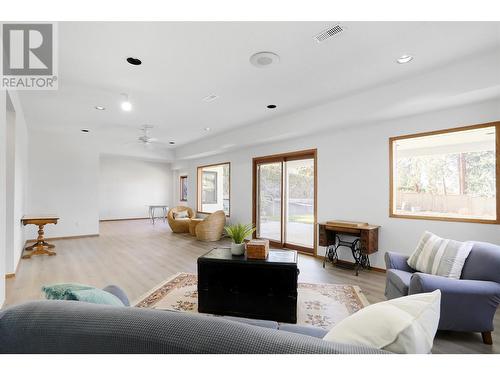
(28, 56)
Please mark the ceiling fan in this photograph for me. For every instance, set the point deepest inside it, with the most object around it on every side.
(145, 138)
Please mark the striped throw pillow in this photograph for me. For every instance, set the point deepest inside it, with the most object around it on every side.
(439, 256)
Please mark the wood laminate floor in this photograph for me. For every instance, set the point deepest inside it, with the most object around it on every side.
(137, 256)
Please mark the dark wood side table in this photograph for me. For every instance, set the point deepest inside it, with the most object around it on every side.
(250, 288)
(40, 247)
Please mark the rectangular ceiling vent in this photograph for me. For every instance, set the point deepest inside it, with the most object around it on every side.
(329, 33)
(210, 98)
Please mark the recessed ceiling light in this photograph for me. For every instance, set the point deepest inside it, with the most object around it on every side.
(264, 59)
(134, 61)
(171, 143)
(404, 59)
(271, 106)
(85, 130)
(100, 107)
(207, 129)
(126, 105)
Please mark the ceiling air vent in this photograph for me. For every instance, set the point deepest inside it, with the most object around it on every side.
(329, 33)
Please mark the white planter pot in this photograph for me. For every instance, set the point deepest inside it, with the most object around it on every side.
(237, 248)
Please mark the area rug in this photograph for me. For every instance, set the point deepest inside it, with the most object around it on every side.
(318, 305)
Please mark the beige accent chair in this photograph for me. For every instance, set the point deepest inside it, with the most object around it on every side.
(212, 227)
(180, 224)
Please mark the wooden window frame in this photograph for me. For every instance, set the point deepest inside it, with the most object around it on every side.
(199, 171)
(181, 178)
(444, 131)
(289, 156)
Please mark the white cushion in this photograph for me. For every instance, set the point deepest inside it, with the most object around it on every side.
(402, 325)
(439, 256)
(181, 215)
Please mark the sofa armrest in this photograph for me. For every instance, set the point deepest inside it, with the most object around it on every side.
(424, 283)
(466, 305)
(117, 292)
(397, 261)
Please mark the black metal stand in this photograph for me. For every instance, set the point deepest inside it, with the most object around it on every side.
(361, 259)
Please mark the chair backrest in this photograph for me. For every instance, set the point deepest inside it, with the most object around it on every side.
(483, 263)
(212, 227)
(176, 210)
(217, 218)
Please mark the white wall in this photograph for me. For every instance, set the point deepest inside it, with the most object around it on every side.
(127, 185)
(20, 189)
(17, 170)
(353, 177)
(13, 175)
(10, 175)
(3, 188)
(63, 180)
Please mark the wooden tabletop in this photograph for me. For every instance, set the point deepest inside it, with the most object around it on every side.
(40, 217)
(340, 225)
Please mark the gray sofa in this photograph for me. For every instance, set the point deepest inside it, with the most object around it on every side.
(76, 327)
(468, 304)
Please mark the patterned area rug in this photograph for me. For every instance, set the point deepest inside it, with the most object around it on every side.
(319, 305)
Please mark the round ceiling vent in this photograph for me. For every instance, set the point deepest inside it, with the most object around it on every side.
(264, 59)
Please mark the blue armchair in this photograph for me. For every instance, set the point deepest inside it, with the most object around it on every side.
(468, 304)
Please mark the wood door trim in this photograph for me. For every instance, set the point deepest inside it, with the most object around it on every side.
(296, 155)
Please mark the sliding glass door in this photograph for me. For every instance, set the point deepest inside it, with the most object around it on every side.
(285, 199)
(299, 198)
(269, 184)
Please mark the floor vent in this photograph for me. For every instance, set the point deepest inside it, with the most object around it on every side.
(329, 33)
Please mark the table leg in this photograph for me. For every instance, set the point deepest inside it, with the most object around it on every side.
(40, 247)
(164, 214)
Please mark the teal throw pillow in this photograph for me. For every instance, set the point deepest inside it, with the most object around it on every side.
(80, 292)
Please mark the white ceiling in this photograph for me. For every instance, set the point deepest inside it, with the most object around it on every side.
(185, 61)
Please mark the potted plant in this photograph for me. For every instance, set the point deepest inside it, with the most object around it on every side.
(238, 233)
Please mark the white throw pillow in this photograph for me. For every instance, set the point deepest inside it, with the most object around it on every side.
(438, 256)
(403, 325)
(181, 215)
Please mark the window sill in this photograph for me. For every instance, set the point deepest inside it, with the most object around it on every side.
(443, 218)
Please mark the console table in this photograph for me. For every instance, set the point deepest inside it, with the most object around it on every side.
(364, 244)
(250, 288)
(41, 246)
(152, 208)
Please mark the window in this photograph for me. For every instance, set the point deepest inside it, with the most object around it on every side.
(447, 175)
(214, 188)
(183, 188)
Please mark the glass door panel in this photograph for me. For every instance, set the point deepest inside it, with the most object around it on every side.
(299, 202)
(269, 209)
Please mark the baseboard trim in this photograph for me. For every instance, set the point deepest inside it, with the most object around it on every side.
(349, 263)
(65, 238)
(132, 218)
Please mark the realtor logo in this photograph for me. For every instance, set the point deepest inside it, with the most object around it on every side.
(29, 56)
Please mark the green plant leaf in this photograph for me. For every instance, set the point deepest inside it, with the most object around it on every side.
(238, 232)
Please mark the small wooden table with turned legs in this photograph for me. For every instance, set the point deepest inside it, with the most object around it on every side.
(41, 246)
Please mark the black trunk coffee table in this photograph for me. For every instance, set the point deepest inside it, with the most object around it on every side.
(250, 288)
